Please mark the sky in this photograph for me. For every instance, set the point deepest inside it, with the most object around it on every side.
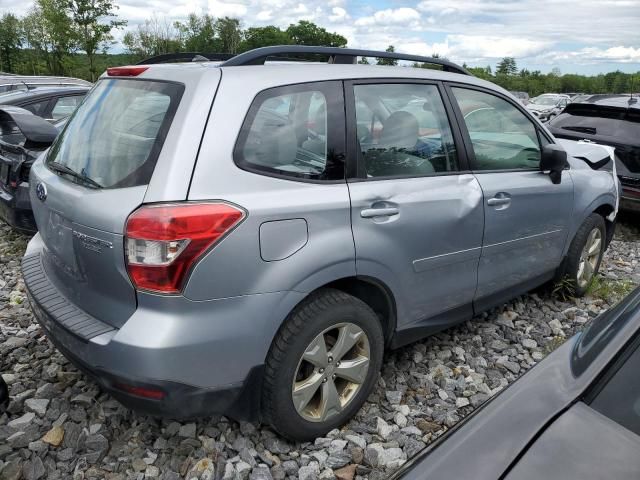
(575, 36)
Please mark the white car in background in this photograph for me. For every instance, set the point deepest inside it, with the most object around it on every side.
(548, 105)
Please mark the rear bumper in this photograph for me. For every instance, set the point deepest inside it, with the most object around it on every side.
(15, 208)
(204, 357)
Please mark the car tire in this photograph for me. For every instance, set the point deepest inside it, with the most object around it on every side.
(585, 255)
(322, 365)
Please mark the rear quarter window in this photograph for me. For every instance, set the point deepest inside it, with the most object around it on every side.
(295, 132)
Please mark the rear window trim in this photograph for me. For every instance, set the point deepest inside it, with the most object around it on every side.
(335, 141)
(163, 131)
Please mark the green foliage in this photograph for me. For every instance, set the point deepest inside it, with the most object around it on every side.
(507, 66)
(308, 33)
(388, 61)
(93, 21)
(610, 290)
(11, 38)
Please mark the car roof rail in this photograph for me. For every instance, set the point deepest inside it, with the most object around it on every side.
(336, 55)
(186, 57)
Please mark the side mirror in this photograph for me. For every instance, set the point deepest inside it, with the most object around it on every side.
(554, 161)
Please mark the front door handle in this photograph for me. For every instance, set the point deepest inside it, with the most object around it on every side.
(501, 200)
(379, 212)
(497, 201)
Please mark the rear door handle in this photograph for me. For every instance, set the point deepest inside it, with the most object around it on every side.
(496, 201)
(379, 212)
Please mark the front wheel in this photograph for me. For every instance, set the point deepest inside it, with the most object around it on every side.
(585, 254)
(322, 365)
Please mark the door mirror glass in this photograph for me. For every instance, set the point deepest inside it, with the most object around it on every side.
(554, 161)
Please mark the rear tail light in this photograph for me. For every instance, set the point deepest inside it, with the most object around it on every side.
(164, 241)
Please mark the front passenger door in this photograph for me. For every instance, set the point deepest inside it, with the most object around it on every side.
(526, 215)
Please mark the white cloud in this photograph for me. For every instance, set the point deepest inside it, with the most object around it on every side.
(220, 8)
(390, 16)
(338, 14)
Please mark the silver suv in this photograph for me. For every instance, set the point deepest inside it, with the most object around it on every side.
(248, 238)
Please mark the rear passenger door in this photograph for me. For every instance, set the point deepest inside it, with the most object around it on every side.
(526, 216)
(416, 215)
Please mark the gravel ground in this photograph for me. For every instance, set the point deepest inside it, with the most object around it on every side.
(60, 425)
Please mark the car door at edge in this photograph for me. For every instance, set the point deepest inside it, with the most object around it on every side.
(526, 215)
(417, 219)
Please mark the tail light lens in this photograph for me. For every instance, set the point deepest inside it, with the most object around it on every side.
(164, 241)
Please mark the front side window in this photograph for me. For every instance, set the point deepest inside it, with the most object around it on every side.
(503, 138)
(287, 133)
(403, 130)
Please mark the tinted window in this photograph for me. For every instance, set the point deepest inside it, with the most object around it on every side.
(115, 136)
(618, 123)
(503, 138)
(65, 106)
(403, 130)
(288, 132)
(619, 399)
(38, 108)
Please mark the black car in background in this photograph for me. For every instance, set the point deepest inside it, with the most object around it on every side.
(612, 120)
(50, 103)
(574, 416)
(23, 137)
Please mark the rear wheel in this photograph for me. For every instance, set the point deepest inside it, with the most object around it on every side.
(585, 254)
(322, 365)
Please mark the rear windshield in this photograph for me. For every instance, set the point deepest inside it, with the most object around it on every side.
(114, 138)
(622, 124)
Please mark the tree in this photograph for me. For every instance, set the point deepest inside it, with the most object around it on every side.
(94, 20)
(10, 40)
(229, 34)
(154, 37)
(198, 34)
(507, 66)
(256, 37)
(308, 33)
(49, 30)
(388, 61)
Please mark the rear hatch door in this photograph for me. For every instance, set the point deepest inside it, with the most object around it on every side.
(96, 173)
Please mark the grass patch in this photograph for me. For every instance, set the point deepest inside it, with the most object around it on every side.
(610, 290)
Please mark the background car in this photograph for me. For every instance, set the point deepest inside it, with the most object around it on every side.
(612, 120)
(522, 96)
(547, 106)
(573, 416)
(50, 103)
(23, 137)
(10, 83)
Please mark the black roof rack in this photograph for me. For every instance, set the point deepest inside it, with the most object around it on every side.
(335, 54)
(186, 57)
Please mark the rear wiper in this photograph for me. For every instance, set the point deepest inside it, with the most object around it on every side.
(59, 168)
(589, 130)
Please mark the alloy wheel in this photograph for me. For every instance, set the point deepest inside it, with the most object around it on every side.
(589, 258)
(331, 372)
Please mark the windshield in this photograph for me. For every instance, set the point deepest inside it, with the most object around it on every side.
(114, 138)
(546, 101)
